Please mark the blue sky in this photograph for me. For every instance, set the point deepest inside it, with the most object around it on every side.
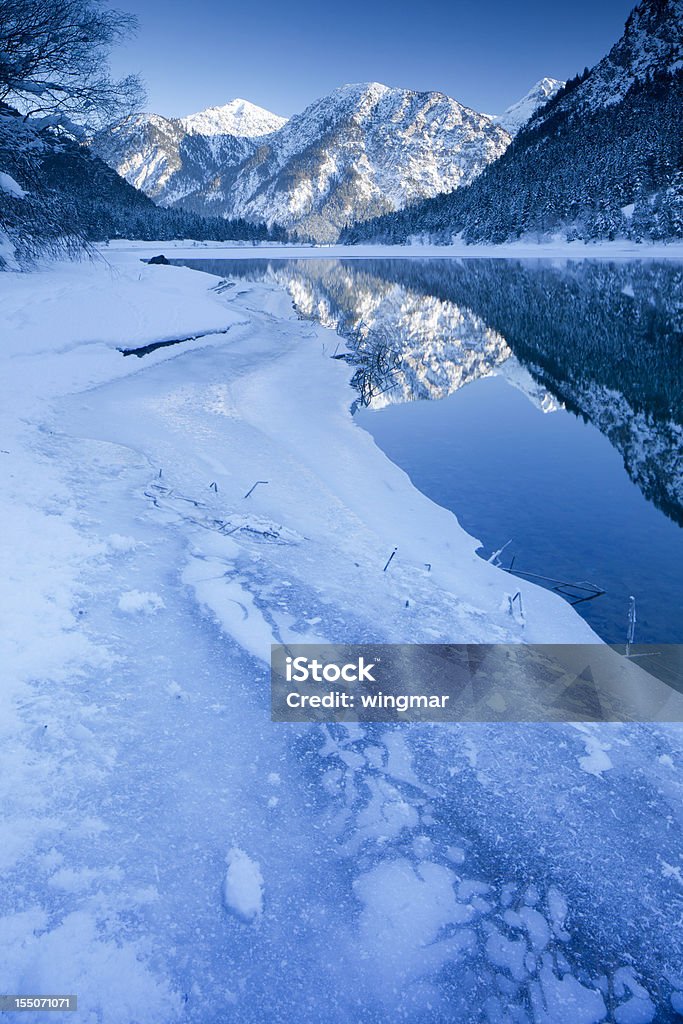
(282, 55)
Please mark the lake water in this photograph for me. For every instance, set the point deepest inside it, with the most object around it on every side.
(540, 400)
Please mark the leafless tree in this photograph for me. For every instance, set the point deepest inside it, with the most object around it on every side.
(53, 63)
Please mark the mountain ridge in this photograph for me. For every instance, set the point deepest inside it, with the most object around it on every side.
(603, 158)
(364, 149)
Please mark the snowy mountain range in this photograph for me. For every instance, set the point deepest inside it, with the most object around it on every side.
(364, 150)
(168, 158)
(600, 159)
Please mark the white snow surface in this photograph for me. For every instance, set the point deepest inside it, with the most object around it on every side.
(10, 186)
(524, 247)
(238, 117)
(137, 749)
(243, 889)
(140, 602)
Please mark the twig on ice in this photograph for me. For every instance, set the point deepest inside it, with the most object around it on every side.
(254, 487)
(389, 560)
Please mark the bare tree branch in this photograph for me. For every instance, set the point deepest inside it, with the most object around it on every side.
(53, 62)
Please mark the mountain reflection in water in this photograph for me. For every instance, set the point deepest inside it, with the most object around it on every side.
(600, 339)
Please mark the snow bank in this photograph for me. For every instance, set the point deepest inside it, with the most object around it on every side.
(243, 887)
(135, 602)
(459, 250)
(10, 186)
(69, 306)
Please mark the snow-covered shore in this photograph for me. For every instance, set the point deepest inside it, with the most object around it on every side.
(262, 401)
(523, 249)
(140, 593)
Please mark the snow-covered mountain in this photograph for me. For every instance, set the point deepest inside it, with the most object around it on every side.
(519, 113)
(360, 151)
(168, 157)
(600, 159)
(363, 150)
(144, 150)
(238, 117)
(652, 44)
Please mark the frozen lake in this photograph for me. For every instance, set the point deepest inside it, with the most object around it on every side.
(539, 400)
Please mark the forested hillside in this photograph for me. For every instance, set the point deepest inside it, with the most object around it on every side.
(602, 159)
(615, 172)
(64, 196)
(56, 94)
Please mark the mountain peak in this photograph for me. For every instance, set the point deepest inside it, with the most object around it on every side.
(362, 89)
(651, 42)
(237, 117)
(519, 113)
(374, 92)
(353, 95)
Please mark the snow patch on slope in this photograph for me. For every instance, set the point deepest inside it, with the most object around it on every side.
(10, 187)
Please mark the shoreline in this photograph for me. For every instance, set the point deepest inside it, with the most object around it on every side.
(142, 589)
(287, 397)
(513, 250)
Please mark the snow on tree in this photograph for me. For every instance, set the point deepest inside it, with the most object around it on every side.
(53, 62)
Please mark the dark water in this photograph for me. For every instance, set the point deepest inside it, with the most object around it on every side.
(567, 440)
